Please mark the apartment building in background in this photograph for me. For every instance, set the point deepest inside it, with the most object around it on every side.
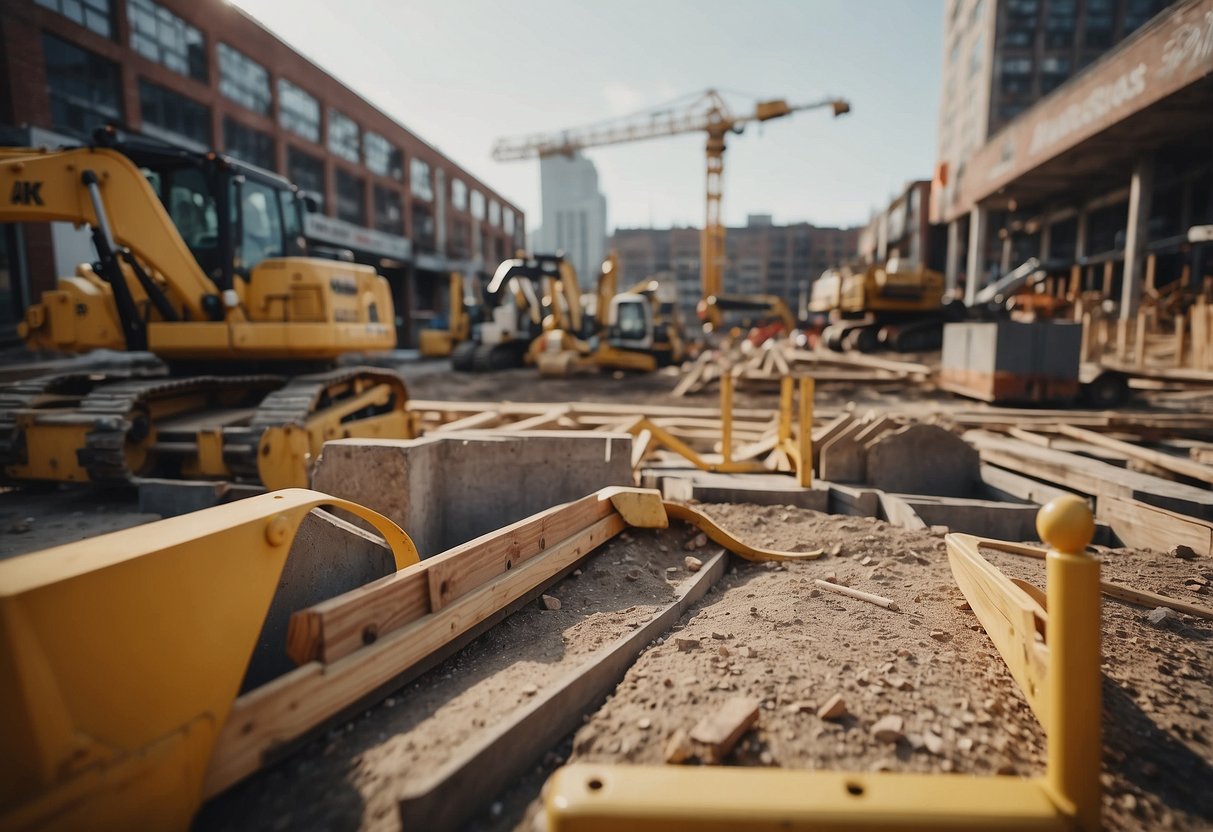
(574, 214)
(761, 257)
(204, 74)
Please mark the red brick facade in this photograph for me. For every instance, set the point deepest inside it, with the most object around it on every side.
(25, 101)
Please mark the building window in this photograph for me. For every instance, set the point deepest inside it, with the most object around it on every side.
(298, 111)
(420, 182)
(97, 15)
(1100, 21)
(477, 205)
(307, 172)
(1138, 12)
(382, 157)
(459, 195)
(423, 227)
(159, 35)
(183, 117)
(494, 213)
(243, 80)
(1054, 70)
(507, 221)
(351, 198)
(84, 87)
(343, 136)
(389, 213)
(247, 144)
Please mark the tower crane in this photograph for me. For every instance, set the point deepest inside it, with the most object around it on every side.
(707, 113)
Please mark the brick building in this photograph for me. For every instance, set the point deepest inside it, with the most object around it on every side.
(204, 74)
(762, 258)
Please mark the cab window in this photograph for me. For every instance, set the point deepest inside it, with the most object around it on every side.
(292, 225)
(260, 225)
(191, 207)
(631, 322)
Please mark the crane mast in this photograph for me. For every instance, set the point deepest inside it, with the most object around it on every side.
(708, 113)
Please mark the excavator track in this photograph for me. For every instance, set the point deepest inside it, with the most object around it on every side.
(117, 428)
(305, 397)
(124, 412)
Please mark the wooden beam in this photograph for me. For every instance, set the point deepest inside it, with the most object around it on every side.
(337, 627)
(457, 791)
(287, 708)
(1143, 526)
(486, 419)
(1179, 465)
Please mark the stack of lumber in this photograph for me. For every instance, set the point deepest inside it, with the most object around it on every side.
(753, 430)
(1149, 475)
(777, 359)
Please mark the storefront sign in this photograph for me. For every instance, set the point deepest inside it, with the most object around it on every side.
(347, 235)
(1171, 53)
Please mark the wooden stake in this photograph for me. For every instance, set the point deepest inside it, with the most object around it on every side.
(880, 601)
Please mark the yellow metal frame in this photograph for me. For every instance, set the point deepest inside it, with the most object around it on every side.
(594, 798)
(121, 655)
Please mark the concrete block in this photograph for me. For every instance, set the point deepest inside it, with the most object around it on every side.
(170, 498)
(328, 557)
(842, 457)
(923, 459)
(447, 489)
(1002, 521)
(759, 489)
(852, 500)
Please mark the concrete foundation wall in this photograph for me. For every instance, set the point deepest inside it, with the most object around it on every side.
(447, 489)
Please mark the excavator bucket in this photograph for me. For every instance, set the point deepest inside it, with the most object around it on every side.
(95, 717)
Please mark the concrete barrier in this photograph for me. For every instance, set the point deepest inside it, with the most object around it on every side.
(446, 489)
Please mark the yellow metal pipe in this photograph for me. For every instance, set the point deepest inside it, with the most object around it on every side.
(1074, 704)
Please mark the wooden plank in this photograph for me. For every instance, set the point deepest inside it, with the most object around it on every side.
(1090, 476)
(1142, 526)
(543, 420)
(292, 705)
(337, 627)
(458, 790)
(1180, 465)
(485, 419)
(1152, 599)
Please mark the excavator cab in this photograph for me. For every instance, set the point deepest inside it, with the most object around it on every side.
(231, 215)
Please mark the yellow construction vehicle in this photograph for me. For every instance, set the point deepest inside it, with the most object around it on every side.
(440, 342)
(716, 310)
(201, 261)
(705, 112)
(527, 296)
(637, 329)
(893, 305)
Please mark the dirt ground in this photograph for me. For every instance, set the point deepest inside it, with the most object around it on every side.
(785, 642)
(765, 631)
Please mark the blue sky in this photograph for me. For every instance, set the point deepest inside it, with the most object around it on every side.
(461, 73)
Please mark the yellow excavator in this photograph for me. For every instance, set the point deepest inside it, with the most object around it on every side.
(895, 305)
(525, 298)
(637, 329)
(463, 304)
(201, 261)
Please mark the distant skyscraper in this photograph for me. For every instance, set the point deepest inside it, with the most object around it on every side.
(574, 214)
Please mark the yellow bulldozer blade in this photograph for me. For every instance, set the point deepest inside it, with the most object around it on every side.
(121, 656)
